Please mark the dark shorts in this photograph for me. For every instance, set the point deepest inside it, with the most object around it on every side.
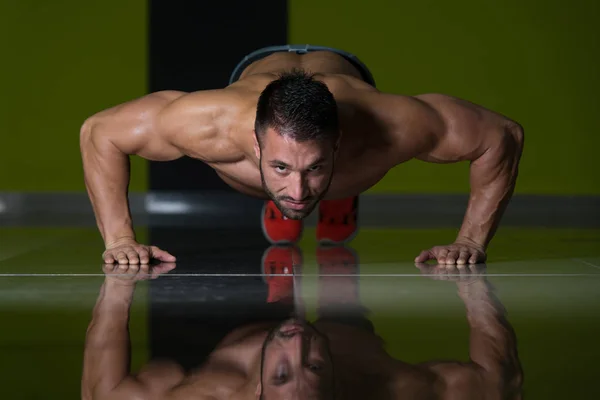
(300, 49)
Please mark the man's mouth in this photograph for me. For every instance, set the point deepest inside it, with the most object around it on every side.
(291, 328)
(296, 205)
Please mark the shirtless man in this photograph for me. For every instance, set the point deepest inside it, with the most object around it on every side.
(302, 126)
(338, 357)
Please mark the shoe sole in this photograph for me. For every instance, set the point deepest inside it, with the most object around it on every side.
(264, 256)
(269, 239)
(330, 242)
(351, 251)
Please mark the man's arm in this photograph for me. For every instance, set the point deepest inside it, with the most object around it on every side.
(107, 346)
(442, 129)
(494, 366)
(493, 145)
(107, 353)
(161, 126)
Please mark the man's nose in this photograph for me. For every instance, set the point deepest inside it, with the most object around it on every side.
(300, 347)
(298, 188)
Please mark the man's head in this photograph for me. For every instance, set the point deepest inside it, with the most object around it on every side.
(297, 135)
(296, 364)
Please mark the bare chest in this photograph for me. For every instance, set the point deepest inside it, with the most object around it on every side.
(357, 172)
(352, 175)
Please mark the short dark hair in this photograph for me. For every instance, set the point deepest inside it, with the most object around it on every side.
(299, 107)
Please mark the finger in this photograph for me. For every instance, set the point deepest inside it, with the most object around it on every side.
(144, 256)
(424, 256)
(463, 272)
(162, 255)
(422, 266)
(476, 269)
(122, 258)
(463, 256)
(454, 272)
(144, 269)
(477, 257)
(441, 255)
(108, 268)
(162, 269)
(426, 269)
(444, 272)
(133, 269)
(451, 257)
(132, 256)
(108, 258)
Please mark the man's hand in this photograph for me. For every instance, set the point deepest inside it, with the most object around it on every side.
(131, 252)
(129, 274)
(460, 252)
(443, 272)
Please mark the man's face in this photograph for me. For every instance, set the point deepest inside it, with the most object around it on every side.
(296, 363)
(295, 175)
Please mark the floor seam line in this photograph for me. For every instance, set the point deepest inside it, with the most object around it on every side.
(292, 275)
(586, 263)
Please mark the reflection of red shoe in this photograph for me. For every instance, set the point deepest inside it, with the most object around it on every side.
(277, 228)
(337, 220)
(338, 275)
(278, 269)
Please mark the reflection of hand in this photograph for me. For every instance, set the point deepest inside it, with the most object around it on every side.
(129, 274)
(470, 279)
(459, 252)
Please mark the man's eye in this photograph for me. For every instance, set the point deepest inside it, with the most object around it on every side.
(314, 168)
(281, 375)
(279, 168)
(315, 367)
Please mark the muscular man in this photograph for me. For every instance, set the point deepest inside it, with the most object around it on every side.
(302, 126)
(338, 357)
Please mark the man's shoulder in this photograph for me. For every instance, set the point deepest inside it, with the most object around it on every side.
(201, 123)
(229, 98)
(210, 382)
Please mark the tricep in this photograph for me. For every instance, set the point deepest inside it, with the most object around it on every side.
(133, 128)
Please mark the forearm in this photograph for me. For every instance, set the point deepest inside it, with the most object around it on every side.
(107, 346)
(106, 171)
(492, 177)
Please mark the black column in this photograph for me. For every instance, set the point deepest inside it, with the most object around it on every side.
(194, 45)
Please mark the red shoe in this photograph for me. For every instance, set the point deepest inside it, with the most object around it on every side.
(338, 275)
(278, 272)
(337, 221)
(277, 228)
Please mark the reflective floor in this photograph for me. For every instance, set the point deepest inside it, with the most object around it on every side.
(367, 321)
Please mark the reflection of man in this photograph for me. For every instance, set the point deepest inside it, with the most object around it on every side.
(339, 356)
(262, 360)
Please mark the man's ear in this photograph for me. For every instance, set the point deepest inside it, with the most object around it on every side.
(258, 390)
(256, 146)
(337, 144)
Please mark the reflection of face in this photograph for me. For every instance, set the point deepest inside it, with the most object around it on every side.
(295, 175)
(296, 363)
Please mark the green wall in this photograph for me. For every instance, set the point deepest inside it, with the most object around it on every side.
(534, 61)
(531, 60)
(62, 61)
